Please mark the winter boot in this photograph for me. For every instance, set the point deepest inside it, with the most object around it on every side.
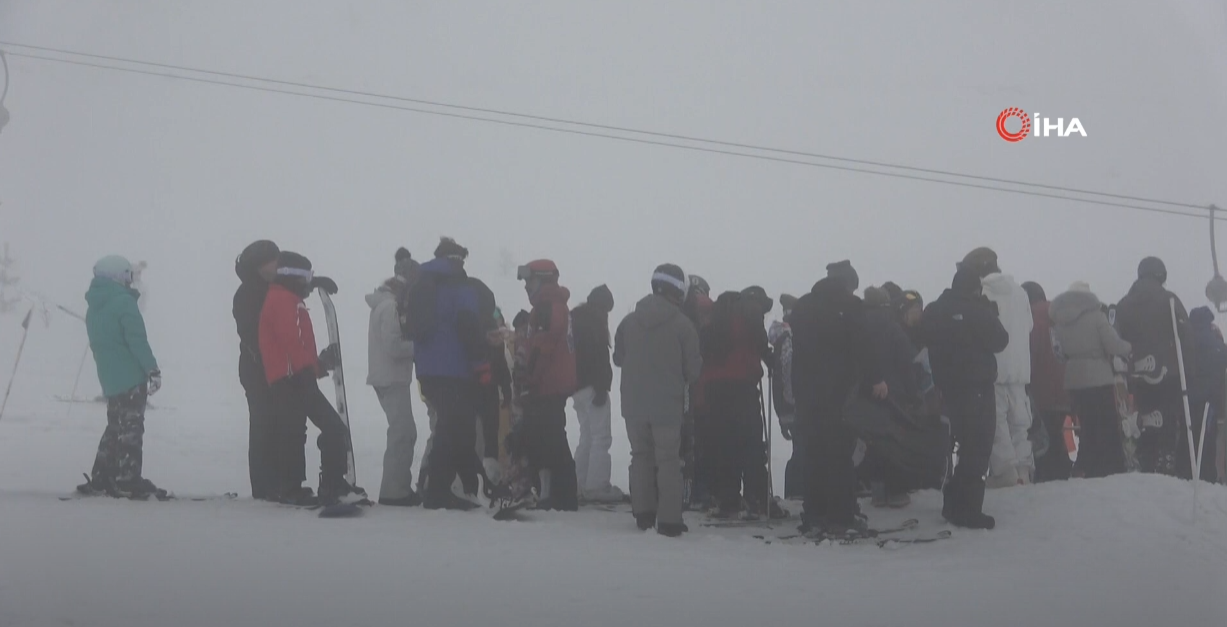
(973, 520)
(645, 521)
(898, 500)
(337, 490)
(775, 511)
(878, 494)
(139, 489)
(95, 486)
(671, 530)
(450, 501)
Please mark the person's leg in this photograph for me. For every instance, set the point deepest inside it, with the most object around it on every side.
(104, 460)
(838, 472)
(562, 466)
(752, 450)
(397, 403)
(441, 393)
(333, 440)
(1003, 462)
(1020, 419)
(1056, 461)
(666, 434)
(723, 454)
(130, 436)
(814, 507)
(644, 496)
(600, 463)
(972, 418)
(584, 411)
(260, 435)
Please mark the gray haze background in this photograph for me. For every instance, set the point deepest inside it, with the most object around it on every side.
(183, 175)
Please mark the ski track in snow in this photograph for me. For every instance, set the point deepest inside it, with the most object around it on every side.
(1117, 552)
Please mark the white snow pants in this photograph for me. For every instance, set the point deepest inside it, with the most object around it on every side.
(592, 462)
(397, 403)
(1011, 460)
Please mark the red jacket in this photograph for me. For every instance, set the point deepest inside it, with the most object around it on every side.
(1047, 372)
(551, 358)
(749, 347)
(287, 339)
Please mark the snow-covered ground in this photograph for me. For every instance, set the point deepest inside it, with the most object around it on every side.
(1118, 552)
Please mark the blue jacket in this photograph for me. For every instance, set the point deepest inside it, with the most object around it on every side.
(117, 337)
(442, 354)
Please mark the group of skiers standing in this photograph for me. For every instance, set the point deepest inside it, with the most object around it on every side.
(875, 392)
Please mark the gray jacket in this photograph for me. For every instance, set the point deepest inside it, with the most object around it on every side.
(1085, 340)
(657, 348)
(389, 355)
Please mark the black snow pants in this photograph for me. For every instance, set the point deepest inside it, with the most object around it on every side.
(735, 451)
(1055, 464)
(454, 401)
(261, 433)
(1158, 447)
(547, 448)
(973, 422)
(120, 453)
(1101, 449)
(297, 399)
(830, 477)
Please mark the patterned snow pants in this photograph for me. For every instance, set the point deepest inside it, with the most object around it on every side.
(119, 453)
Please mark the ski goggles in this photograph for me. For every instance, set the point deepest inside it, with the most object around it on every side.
(296, 272)
(524, 273)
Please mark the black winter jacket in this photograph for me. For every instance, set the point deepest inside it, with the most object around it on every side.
(248, 303)
(964, 335)
(895, 354)
(831, 348)
(590, 327)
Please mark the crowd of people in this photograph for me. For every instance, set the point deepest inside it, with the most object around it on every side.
(880, 395)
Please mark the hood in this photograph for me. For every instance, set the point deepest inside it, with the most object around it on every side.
(443, 266)
(999, 285)
(101, 291)
(383, 293)
(1148, 289)
(654, 310)
(830, 286)
(551, 293)
(602, 298)
(1070, 306)
(258, 253)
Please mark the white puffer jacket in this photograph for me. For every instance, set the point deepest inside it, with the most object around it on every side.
(1014, 310)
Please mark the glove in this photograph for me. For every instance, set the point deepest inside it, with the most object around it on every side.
(155, 382)
(787, 422)
(330, 358)
(600, 398)
(494, 471)
(324, 283)
(1130, 426)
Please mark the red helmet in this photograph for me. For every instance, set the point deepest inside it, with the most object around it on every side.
(539, 269)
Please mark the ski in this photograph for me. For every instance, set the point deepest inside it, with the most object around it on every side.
(798, 538)
(509, 508)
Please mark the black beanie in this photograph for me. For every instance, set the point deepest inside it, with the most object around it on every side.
(450, 249)
(602, 298)
(254, 256)
(759, 296)
(843, 272)
(404, 263)
(1152, 268)
(967, 280)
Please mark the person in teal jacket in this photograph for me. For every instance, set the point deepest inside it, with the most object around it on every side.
(128, 374)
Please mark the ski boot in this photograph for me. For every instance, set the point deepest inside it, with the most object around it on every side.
(671, 530)
(139, 489)
(338, 490)
(645, 521)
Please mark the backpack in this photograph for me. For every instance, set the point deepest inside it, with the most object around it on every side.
(417, 308)
(716, 339)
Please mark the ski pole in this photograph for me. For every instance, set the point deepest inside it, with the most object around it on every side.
(1184, 395)
(77, 382)
(25, 325)
(770, 435)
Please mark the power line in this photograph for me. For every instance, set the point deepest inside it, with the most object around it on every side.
(607, 127)
(635, 140)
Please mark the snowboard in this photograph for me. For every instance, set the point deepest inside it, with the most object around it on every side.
(343, 509)
(1125, 408)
